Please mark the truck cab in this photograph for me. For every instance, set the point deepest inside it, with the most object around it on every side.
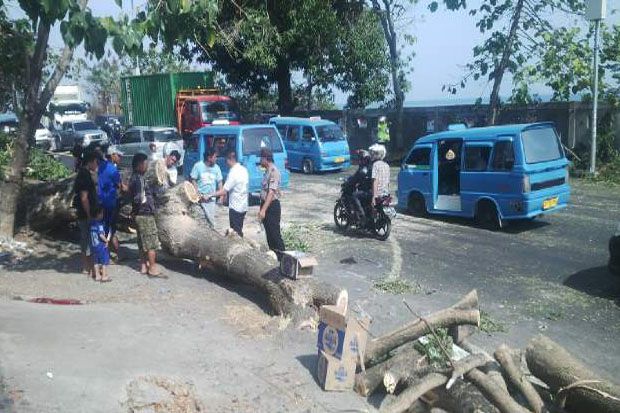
(204, 107)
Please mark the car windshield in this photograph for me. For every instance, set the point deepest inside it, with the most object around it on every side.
(256, 139)
(329, 133)
(161, 135)
(225, 110)
(72, 108)
(84, 126)
(541, 145)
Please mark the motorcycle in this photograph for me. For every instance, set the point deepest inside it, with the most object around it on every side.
(381, 215)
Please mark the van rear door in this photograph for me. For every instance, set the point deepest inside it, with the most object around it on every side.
(544, 161)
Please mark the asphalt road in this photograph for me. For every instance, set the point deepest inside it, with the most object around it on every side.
(548, 275)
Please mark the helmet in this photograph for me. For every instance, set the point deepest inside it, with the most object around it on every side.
(382, 119)
(377, 151)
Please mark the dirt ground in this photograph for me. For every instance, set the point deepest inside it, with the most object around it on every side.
(214, 339)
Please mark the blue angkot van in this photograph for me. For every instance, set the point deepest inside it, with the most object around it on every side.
(247, 141)
(493, 174)
(313, 144)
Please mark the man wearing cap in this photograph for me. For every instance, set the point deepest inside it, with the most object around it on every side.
(109, 185)
(270, 211)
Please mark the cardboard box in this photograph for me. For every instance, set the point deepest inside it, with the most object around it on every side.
(334, 374)
(340, 336)
(296, 264)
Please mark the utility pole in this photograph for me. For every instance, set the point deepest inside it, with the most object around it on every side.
(595, 11)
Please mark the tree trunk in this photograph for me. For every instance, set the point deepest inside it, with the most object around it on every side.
(496, 394)
(498, 73)
(463, 397)
(45, 206)
(462, 312)
(285, 92)
(184, 236)
(578, 388)
(504, 356)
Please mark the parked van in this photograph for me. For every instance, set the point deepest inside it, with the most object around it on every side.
(494, 174)
(313, 144)
(247, 141)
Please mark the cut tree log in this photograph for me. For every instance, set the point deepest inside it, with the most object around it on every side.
(463, 397)
(577, 388)
(416, 387)
(496, 394)
(463, 312)
(491, 368)
(503, 355)
(184, 235)
(405, 359)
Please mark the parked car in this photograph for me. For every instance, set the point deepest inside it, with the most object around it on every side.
(614, 252)
(79, 132)
(150, 140)
(493, 174)
(313, 144)
(247, 141)
(112, 125)
(43, 137)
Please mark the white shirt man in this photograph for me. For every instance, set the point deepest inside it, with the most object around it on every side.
(237, 188)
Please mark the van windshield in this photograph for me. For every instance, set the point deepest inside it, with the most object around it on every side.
(329, 133)
(541, 145)
(225, 110)
(69, 109)
(256, 139)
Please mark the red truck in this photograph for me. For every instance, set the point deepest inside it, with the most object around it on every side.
(186, 101)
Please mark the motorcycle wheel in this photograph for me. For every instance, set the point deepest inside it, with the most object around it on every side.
(383, 226)
(341, 217)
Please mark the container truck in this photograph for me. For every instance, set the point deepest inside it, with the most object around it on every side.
(186, 101)
(66, 105)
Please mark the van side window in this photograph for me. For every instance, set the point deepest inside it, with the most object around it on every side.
(503, 156)
(292, 134)
(307, 133)
(281, 129)
(477, 158)
(419, 158)
(131, 137)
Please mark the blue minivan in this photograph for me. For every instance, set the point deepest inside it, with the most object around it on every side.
(313, 144)
(494, 174)
(247, 141)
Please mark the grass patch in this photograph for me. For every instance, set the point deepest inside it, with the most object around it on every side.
(298, 237)
(431, 346)
(395, 286)
(489, 325)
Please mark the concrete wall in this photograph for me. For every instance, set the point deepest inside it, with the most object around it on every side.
(572, 120)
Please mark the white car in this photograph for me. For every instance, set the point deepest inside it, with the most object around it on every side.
(44, 139)
(150, 140)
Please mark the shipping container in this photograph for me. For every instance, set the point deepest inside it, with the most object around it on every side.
(149, 100)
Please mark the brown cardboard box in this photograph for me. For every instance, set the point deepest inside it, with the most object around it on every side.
(341, 336)
(296, 264)
(335, 374)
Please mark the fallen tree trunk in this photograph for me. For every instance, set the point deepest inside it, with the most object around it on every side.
(576, 387)
(44, 206)
(463, 312)
(183, 235)
(503, 355)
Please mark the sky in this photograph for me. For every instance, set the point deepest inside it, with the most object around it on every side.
(444, 42)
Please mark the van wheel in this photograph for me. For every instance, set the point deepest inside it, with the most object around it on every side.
(417, 205)
(308, 166)
(488, 217)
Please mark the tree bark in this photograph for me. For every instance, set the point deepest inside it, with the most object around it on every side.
(46, 205)
(499, 71)
(462, 312)
(496, 394)
(463, 397)
(184, 236)
(492, 368)
(285, 92)
(503, 355)
(406, 359)
(576, 387)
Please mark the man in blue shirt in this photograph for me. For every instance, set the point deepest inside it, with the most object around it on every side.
(109, 184)
(207, 177)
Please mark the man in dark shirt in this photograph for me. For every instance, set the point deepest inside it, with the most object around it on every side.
(143, 211)
(86, 199)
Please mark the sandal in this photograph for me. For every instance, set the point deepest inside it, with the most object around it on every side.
(157, 274)
(105, 280)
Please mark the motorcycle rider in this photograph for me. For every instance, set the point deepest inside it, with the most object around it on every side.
(359, 184)
(380, 173)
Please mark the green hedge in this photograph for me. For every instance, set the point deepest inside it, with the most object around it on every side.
(41, 165)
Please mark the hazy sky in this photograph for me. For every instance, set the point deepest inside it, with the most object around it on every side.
(444, 44)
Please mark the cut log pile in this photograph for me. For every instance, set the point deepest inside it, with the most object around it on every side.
(470, 380)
